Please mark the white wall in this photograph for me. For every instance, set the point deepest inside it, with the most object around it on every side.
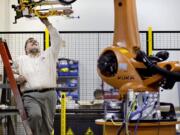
(98, 15)
(160, 14)
(4, 15)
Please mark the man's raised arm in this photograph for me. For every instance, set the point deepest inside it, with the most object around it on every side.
(56, 41)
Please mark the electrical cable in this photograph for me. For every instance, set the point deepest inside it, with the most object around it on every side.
(127, 127)
(132, 108)
(126, 120)
(142, 109)
(127, 117)
(136, 127)
(120, 129)
(115, 123)
(141, 113)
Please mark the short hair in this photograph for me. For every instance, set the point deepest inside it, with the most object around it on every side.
(27, 41)
(98, 93)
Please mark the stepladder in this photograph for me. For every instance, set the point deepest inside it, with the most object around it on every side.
(7, 63)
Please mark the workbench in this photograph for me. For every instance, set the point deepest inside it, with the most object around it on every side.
(144, 128)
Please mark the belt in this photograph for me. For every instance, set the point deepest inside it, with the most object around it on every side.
(38, 90)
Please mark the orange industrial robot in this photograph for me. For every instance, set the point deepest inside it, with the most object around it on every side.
(124, 66)
(137, 77)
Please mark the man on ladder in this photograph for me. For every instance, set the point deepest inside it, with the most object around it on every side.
(36, 74)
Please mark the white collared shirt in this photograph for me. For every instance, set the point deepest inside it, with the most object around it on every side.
(40, 72)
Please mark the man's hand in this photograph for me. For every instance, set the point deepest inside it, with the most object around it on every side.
(21, 79)
(45, 21)
(67, 12)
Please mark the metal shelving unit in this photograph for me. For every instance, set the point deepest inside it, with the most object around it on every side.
(68, 77)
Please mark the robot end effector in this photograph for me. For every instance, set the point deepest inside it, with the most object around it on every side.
(140, 73)
(42, 8)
